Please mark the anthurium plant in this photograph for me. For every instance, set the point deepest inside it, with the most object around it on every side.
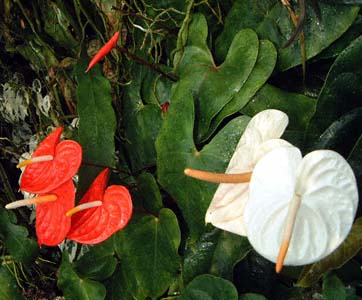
(180, 150)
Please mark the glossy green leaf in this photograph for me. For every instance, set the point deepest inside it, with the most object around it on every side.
(262, 70)
(272, 21)
(142, 120)
(75, 287)
(216, 252)
(339, 45)
(176, 150)
(97, 123)
(252, 296)
(342, 134)
(214, 86)
(149, 192)
(16, 240)
(349, 248)
(9, 289)
(342, 91)
(299, 108)
(208, 287)
(198, 256)
(99, 262)
(148, 248)
(230, 250)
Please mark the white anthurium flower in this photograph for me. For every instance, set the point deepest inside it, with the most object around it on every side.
(300, 209)
(260, 136)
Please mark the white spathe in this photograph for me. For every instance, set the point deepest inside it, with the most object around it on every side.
(260, 136)
(327, 188)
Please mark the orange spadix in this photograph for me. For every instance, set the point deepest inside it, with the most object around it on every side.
(36, 200)
(218, 177)
(35, 160)
(83, 207)
(288, 231)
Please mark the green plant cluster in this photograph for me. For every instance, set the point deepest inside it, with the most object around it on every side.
(217, 64)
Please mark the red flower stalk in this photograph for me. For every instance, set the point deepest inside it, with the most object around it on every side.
(52, 164)
(94, 225)
(104, 50)
(52, 224)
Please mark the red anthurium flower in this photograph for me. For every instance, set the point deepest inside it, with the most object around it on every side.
(113, 211)
(53, 163)
(52, 224)
(104, 50)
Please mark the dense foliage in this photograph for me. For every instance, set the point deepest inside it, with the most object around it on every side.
(217, 64)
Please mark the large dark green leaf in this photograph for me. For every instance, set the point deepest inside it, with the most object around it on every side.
(176, 150)
(99, 262)
(214, 86)
(9, 289)
(230, 250)
(341, 92)
(142, 118)
(339, 45)
(208, 287)
(199, 255)
(148, 248)
(272, 21)
(15, 237)
(97, 123)
(349, 248)
(216, 252)
(149, 192)
(299, 108)
(342, 134)
(76, 288)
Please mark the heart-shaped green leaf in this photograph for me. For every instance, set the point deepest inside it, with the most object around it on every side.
(74, 287)
(15, 237)
(97, 124)
(99, 262)
(148, 248)
(142, 118)
(262, 70)
(272, 21)
(176, 151)
(214, 86)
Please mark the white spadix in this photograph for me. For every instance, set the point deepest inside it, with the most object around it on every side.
(300, 209)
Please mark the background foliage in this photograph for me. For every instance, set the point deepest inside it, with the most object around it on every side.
(217, 63)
